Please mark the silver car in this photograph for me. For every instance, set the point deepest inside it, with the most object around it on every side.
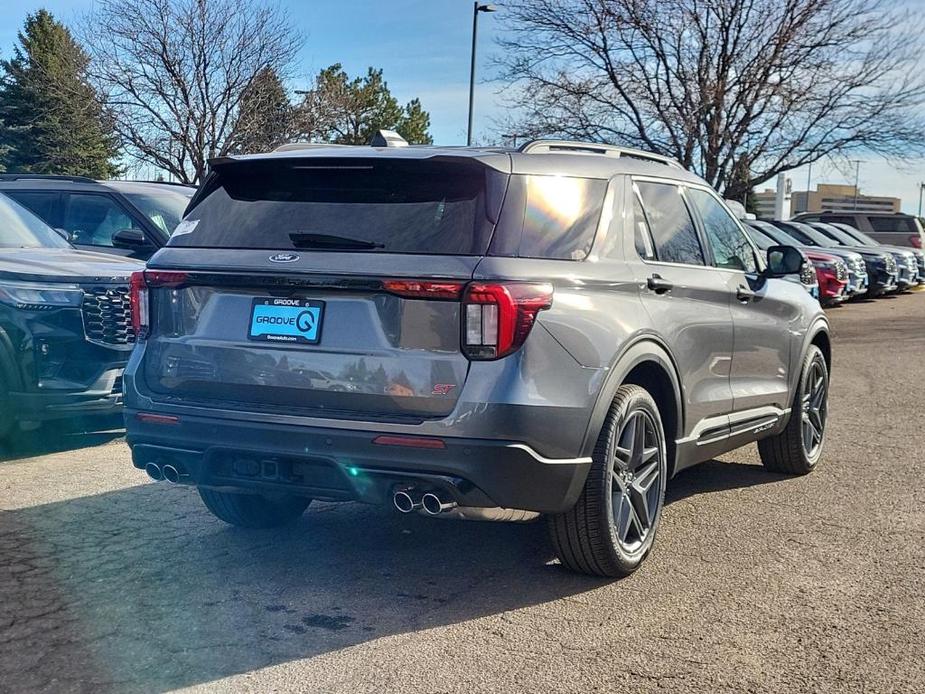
(479, 332)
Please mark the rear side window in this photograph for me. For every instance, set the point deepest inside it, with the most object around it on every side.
(44, 205)
(893, 225)
(561, 216)
(731, 250)
(350, 204)
(670, 222)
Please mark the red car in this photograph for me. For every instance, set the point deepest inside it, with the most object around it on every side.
(832, 274)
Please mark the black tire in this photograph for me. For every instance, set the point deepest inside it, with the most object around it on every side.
(586, 537)
(788, 452)
(253, 510)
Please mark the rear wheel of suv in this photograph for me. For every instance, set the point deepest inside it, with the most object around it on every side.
(796, 450)
(253, 510)
(611, 528)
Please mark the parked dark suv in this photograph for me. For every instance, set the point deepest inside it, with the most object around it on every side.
(128, 218)
(892, 229)
(478, 332)
(65, 324)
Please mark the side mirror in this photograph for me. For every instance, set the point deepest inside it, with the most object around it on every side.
(129, 238)
(784, 260)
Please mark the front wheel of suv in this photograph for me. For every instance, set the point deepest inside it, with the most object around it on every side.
(611, 528)
(797, 449)
(253, 510)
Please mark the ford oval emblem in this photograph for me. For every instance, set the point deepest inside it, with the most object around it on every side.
(284, 258)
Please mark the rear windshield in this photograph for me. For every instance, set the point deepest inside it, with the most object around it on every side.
(390, 206)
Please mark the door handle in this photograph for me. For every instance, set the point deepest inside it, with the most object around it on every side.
(659, 284)
(744, 294)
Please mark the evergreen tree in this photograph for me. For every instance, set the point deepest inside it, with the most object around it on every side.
(51, 120)
(350, 111)
(265, 115)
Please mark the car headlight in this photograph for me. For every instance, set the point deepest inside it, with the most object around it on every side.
(39, 296)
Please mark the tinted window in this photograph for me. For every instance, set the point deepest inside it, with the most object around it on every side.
(41, 204)
(355, 204)
(561, 216)
(833, 219)
(670, 222)
(92, 220)
(905, 225)
(19, 228)
(731, 250)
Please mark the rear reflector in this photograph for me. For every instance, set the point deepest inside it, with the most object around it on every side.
(152, 418)
(916, 241)
(409, 441)
(423, 289)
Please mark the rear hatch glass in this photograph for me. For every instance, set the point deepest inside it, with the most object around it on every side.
(349, 204)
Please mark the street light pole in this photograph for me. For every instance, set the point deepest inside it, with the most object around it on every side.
(476, 8)
(857, 180)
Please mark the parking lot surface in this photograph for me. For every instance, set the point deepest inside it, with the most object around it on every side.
(758, 582)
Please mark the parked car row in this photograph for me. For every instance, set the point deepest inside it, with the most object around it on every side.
(848, 263)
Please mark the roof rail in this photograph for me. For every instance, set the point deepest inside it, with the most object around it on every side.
(294, 146)
(45, 177)
(569, 146)
(160, 183)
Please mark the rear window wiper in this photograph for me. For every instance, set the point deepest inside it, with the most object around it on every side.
(331, 241)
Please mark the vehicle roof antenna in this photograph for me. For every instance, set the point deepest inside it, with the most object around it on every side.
(388, 138)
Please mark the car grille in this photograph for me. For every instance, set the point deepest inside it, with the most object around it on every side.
(841, 271)
(911, 265)
(107, 316)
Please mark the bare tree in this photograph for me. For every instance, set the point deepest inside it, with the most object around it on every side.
(738, 90)
(174, 72)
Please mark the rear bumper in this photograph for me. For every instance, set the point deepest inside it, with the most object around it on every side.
(342, 465)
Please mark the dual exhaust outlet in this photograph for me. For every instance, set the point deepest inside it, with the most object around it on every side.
(170, 473)
(430, 502)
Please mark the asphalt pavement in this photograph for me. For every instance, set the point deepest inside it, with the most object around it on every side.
(758, 582)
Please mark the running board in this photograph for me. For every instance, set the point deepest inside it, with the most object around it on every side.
(754, 421)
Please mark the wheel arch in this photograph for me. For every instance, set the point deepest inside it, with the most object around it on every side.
(646, 362)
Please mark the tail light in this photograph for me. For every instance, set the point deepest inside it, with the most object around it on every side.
(422, 289)
(138, 298)
(497, 318)
(139, 284)
(916, 241)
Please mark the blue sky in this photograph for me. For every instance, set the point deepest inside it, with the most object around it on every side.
(423, 48)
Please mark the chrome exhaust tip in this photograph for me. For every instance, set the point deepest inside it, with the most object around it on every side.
(403, 501)
(171, 474)
(434, 506)
(154, 472)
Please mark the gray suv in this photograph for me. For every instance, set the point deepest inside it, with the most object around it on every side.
(477, 332)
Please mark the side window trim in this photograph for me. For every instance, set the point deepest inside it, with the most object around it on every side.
(647, 239)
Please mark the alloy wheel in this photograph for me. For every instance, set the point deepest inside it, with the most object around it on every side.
(636, 483)
(815, 410)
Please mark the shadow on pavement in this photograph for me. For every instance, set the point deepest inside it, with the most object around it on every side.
(141, 590)
(58, 436)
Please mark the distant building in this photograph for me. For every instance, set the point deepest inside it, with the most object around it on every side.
(830, 197)
(762, 203)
